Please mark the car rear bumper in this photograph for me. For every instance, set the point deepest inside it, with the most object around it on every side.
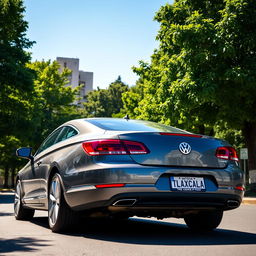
(134, 199)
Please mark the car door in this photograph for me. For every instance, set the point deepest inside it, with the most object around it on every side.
(41, 165)
(30, 181)
(47, 157)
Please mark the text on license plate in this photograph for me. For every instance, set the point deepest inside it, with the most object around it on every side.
(187, 183)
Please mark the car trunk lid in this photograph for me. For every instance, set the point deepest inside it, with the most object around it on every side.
(172, 149)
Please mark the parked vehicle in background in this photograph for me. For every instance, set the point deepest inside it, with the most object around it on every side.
(123, 168)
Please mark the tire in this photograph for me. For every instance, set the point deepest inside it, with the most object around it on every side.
(60, 216)
(206, 221)
(20, 212)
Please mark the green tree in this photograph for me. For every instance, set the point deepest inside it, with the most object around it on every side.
(8, 160)
(105, 102)
(115, 91)
(52, 102)
(97, 104)
(131, 99)
(16, 84)
(15, 78)
(204, 69)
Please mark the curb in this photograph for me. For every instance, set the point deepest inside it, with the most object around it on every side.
(249, 200)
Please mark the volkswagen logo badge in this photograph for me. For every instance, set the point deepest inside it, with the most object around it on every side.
(184, 148)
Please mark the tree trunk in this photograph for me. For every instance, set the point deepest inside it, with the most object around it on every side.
(201, 129)
(249, 132)
(6, 177)
(211, 133)
(13, 177)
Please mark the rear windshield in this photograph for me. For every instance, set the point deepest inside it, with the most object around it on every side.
(132, 125)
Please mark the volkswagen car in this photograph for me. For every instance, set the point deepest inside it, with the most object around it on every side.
(119, 168)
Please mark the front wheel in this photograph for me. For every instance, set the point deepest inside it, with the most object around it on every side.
(60, 216)
(205, 221)
(20, 212)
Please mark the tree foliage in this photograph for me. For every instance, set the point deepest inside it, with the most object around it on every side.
(105, 102)
(52, 102)
(15, 78)
(204, 69)
(16, 84)
(131, 99)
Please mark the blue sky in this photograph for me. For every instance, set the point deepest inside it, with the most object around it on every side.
(108, 36)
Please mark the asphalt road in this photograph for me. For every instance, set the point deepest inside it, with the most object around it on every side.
(137, 236)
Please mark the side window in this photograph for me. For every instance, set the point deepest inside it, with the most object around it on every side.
(66, 133)
(49, 141)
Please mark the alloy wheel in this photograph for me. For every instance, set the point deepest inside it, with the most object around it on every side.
(17, 198)
(54, 200)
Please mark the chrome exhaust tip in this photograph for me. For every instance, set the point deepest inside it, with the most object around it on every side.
(125, 202)
(232, 204)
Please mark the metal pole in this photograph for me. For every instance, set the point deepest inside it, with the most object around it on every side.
(245, 172)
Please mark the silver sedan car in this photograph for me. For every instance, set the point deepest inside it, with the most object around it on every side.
(122, 168)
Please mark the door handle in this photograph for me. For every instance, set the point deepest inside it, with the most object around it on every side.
(38, 163)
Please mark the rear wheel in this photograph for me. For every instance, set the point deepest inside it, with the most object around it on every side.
(205, 221)
(20, 212)
(60, 216)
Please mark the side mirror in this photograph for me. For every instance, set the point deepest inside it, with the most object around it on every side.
(24, 153)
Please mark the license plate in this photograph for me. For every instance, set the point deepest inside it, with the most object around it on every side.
(187, 183)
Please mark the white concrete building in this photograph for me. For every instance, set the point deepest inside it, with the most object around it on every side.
(86, 78)
(77, 76)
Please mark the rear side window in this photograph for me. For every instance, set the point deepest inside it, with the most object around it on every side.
(49, 141)
(61, 134)
(66, 133)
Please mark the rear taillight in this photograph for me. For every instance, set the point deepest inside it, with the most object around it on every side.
(135, 148)
(114, 147)
(227, 153)
(104, 147)
(241, 188)
(181, 134)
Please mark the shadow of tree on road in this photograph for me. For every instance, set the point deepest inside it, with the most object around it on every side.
(21, 244)
(6, 198)
(6, 214)
(152, 232)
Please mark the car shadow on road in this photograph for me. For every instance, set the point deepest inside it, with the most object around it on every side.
(21, 244)
(152, 232)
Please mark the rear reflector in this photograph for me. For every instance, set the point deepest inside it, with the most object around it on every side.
(116, 185)
(227, 153)
(114, 147)
(181, 134)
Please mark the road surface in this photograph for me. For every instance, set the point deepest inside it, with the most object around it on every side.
(236, 236)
